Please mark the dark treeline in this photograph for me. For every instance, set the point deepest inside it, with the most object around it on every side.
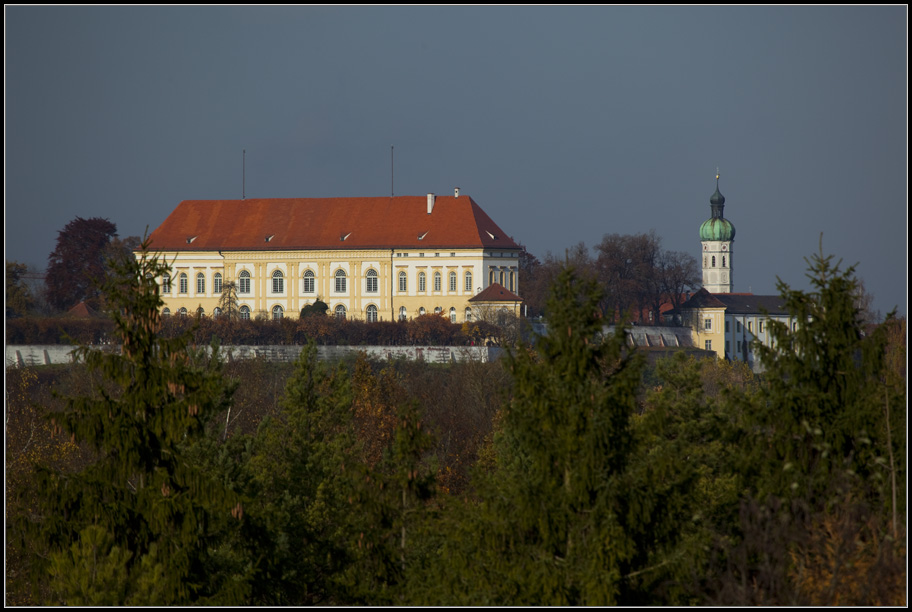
(429, 329)
(637, 276)
(565, 474)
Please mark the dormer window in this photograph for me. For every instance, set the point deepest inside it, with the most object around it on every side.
(344, 236)
(421, 237)
(191, 239)
(269, 238)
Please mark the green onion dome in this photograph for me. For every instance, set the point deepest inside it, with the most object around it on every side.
(717, 227)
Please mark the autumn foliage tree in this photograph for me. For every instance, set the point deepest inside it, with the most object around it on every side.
(76, 267)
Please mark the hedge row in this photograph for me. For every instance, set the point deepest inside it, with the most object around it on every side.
(429, 330)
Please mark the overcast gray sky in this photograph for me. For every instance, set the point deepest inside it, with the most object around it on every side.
(564, 124)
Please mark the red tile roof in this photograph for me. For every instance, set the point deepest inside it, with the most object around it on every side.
(496, 293)
(321, 223)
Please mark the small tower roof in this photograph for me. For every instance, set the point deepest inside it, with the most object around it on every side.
(717, 227)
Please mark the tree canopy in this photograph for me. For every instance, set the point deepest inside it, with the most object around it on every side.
(76, 267)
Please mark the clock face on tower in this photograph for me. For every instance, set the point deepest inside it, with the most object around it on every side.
(724, 247)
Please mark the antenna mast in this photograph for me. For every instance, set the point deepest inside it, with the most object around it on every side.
(392, 172)
(244, 177)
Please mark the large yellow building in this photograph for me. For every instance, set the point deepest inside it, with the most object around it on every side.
(374, 259)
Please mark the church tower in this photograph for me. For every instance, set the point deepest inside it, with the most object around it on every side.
(717, 235)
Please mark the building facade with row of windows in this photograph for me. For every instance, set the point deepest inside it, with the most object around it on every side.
(728, 323)
(373, 259)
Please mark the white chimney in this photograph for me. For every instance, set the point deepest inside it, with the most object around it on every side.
(431, 198)
(456, 192)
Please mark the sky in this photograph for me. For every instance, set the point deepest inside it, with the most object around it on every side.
(563, 123)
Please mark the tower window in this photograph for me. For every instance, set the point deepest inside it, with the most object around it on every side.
(723, 261)
(714, 261)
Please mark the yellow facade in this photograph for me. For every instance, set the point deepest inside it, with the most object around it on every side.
(383, 283)
(708, 325)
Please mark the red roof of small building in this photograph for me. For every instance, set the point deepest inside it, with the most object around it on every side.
(328, 223)
(496, 293)
(82, 311)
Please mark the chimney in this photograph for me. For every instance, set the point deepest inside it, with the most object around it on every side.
(431, 198)
(456, 192)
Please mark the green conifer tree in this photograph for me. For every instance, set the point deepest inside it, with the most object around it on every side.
(562, 519)
(146, 514)
(824, 417)
(296, 480)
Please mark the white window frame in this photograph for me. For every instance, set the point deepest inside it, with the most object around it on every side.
(310, 281)
(278, 282)
(341, 281)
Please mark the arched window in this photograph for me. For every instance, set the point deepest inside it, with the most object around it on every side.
(421, 311)
(245, 312)
(182, 312)
(217, 283)
(468, 315)
(491, 277)
(468, 282)
(372, 314)
(340, 283)
(277, 313)
(723, 261)
(453, 282)
(714, 261)
(403, 282)
(436, 281)
(183, 283)
(216, 312)
(422, 281)
(166, 312)
(438, 310)
(201, 283)
(278, 284)
(339, 311)
(200, 312)
(512, 281)
(402, 312)
(452, 315)
(501, 282)
(372, 283)
(244, 285)
(309, 282)
(166, 283)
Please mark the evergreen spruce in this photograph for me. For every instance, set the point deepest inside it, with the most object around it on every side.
(823, 424)
(142, 513)
(563, 519)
